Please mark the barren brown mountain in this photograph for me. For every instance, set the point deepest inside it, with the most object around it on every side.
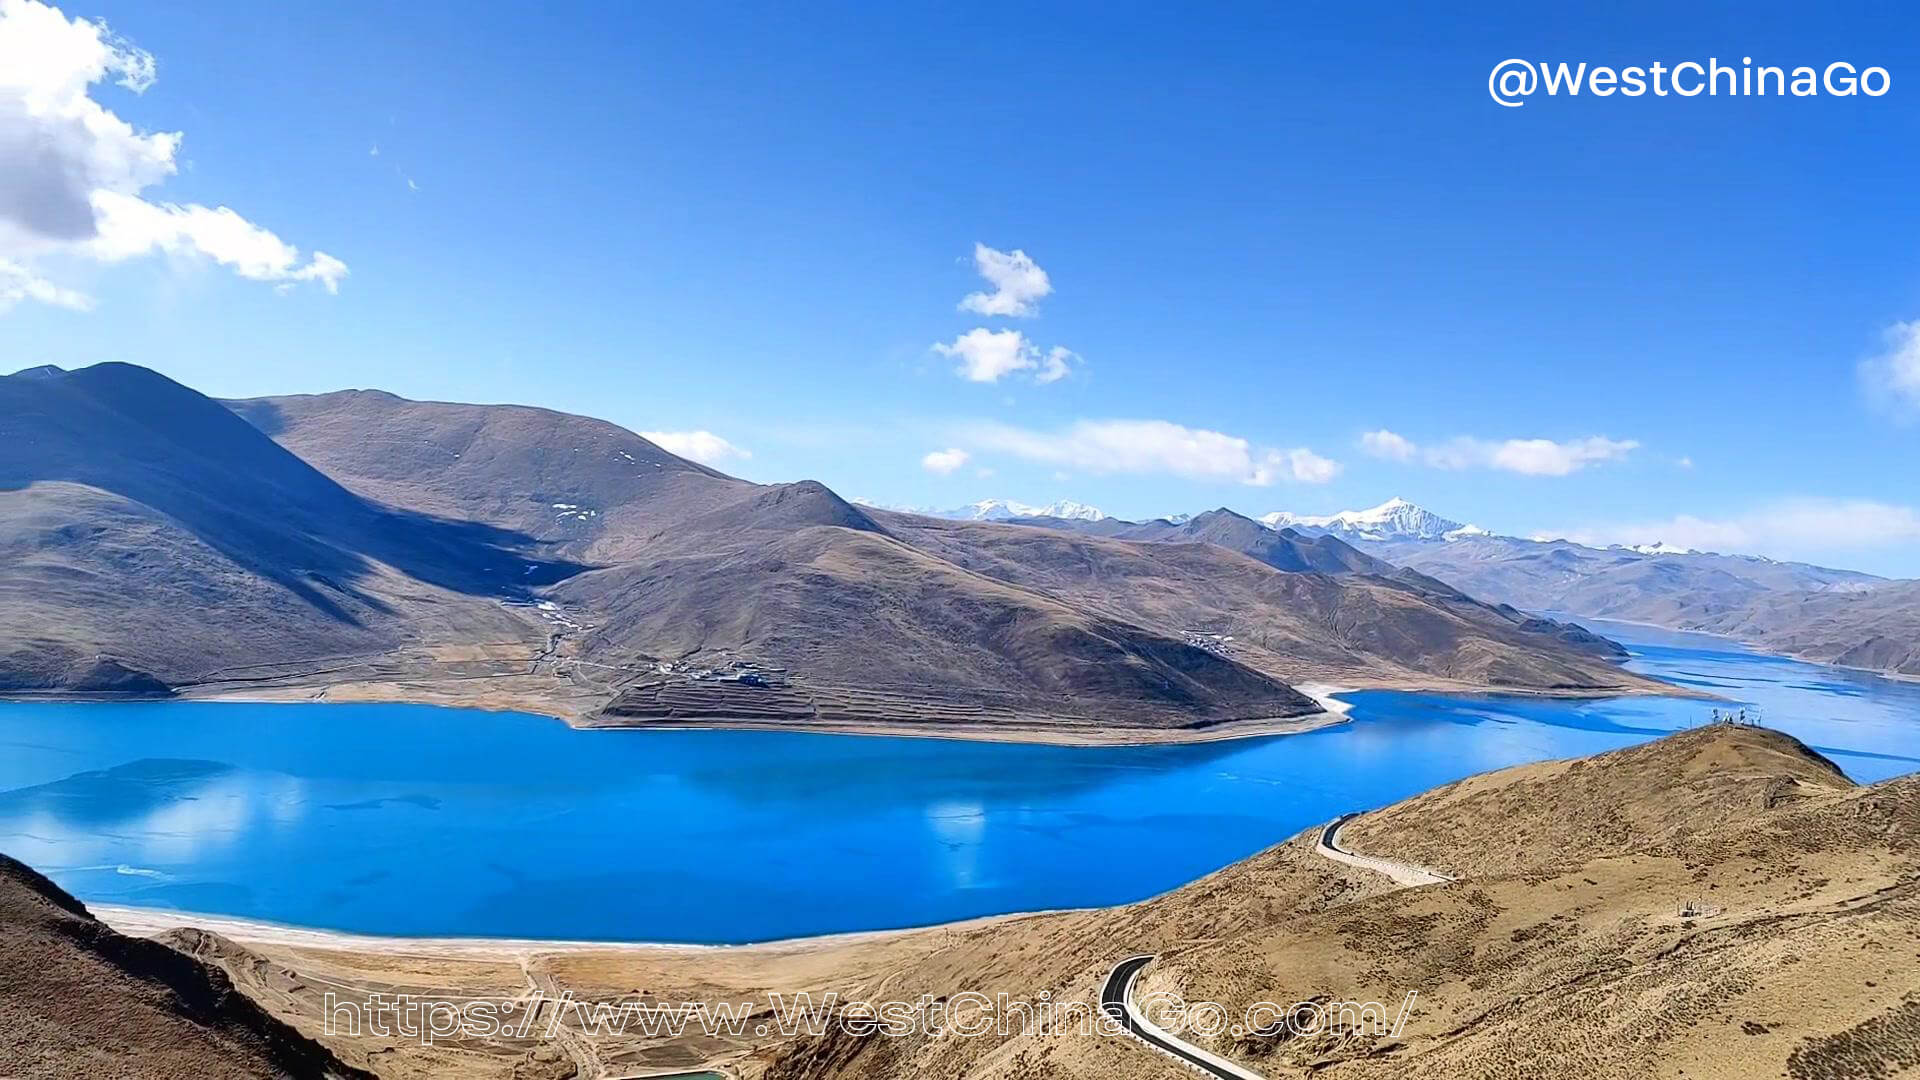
(359, 545)
(1815, 612)
(693, 563)
(79, 1000)
(1876, 629)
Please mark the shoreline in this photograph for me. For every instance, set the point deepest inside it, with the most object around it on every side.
(1332, 711)
(150, 922)
(1036, 735)
(1751, 646)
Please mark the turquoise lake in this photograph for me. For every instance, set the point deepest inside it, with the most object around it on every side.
(398, 819)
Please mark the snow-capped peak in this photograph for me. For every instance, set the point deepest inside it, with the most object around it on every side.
(1002, 509)
(1661, 547)
(999, 510)
(1395, 519)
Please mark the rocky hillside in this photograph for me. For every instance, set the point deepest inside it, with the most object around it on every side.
(1832, 616)
(678, 548)
(79, 1000)
(151, 538)
(1877, 629)
(1305, 607)
(377, 547)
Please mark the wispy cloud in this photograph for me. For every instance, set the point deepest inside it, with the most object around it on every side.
(1156, 446)
(17, 283)
(1056, 365)
(1785, 528)
(1018, 283)
(702, 446)
(1893, 375)
(1528, 457)
(75, 172)
(1388, 445)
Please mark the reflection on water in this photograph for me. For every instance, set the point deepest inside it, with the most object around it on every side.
(419, 820)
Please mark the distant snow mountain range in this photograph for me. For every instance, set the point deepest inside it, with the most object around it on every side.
(1395, 519)
(1000, 510)
(1796, 608)
(1412, 535)
(1816, 612)
(1398, 524)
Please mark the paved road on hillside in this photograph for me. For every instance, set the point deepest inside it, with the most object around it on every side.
(1404, 874)
(1116, 997)
(1116, 1000)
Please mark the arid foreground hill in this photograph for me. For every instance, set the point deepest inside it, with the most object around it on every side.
(78, 1000)
(362, 545)
(1721, 903)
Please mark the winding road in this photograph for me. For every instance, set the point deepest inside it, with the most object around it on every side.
(1406, 875)
(1116, 1000)
(1116, 996)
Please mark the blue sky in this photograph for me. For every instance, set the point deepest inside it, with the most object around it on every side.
(1265, 234)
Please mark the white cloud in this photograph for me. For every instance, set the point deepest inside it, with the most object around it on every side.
(1304, 466)
(74, 171)
(1386, 444)
(990, 355)
(130, 226)
(1895, 373)
(1528, 457)
(987, 355)
(1786, 528)
(1156, 446)
(702, 446)
(1018, 283)
(1056, 365)
(1544, 457)
(944, 461)
(17, 283)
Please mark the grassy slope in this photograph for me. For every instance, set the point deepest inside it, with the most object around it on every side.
(1566, 949)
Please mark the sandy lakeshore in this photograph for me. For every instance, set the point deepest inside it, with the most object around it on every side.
(583, 713)
(147, 922)
(509, 694)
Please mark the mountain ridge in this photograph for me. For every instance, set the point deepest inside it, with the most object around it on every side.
(516, 557)
(1817, 613)
(999, 510)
